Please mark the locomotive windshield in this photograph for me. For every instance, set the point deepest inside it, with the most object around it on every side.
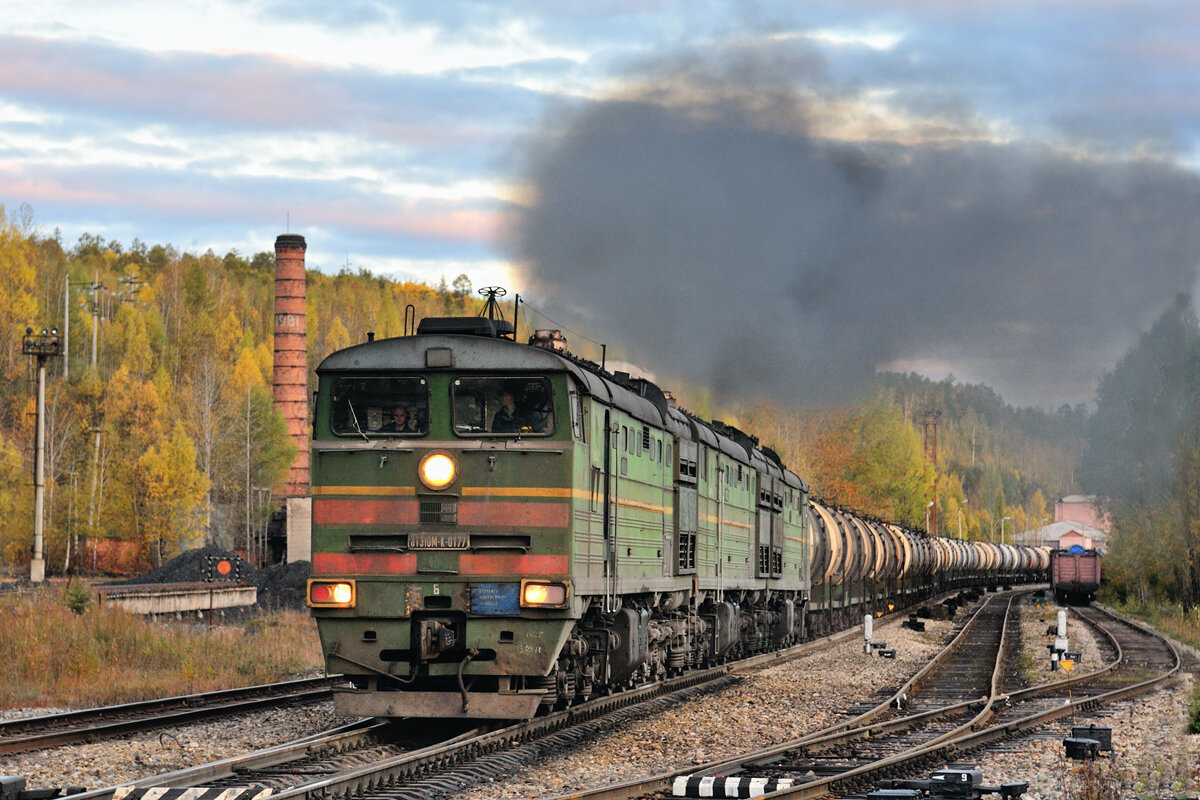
(380, 407)
(503, 406)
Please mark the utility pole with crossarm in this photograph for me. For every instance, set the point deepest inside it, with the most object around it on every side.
(41, 346)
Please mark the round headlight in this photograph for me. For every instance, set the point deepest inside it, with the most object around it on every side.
(438, 470)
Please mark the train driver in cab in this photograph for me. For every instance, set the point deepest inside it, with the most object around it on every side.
(401, 421)
(507, 419)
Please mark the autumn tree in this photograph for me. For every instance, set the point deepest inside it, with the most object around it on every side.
(259, 449)
(1142, 456)
(888, 462)
(16, 504)
(18, 309)
(172, 496)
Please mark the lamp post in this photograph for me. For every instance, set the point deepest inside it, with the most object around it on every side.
(1002, 521)
(262, 496)
(928, 506)
(41, 346)
(961, 503)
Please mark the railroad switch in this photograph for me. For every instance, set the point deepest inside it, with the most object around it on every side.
(1100, 733)
(1080, 748)
(12, 787)
(947, 784)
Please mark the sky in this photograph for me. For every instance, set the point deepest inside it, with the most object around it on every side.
(778, 195)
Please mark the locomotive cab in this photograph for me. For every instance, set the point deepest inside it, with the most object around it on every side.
(441, 558)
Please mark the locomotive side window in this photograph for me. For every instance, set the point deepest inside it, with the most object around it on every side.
(578, 423)
(373, 406)
(503, 406)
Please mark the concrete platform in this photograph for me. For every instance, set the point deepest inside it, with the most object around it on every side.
(177, 598)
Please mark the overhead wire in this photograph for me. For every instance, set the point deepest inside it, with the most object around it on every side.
(559, 325)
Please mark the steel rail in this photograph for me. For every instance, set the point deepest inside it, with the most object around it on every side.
(468, 745)
(451, 751)
(839, 733)
(348, 737)
(859, 727)
(968, 742)
(84, 725)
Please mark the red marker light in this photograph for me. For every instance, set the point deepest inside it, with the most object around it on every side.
(224, 567)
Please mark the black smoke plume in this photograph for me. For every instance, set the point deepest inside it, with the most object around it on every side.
(714, 220)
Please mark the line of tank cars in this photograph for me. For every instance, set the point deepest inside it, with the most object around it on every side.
(532, 531)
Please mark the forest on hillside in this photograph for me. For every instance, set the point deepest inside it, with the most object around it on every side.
(161, 434)
(999, 469)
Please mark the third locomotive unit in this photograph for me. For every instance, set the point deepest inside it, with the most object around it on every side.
(501, 528)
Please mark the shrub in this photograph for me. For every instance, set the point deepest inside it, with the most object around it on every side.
(77, 598)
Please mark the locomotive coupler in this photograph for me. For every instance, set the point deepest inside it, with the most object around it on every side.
(436, 637)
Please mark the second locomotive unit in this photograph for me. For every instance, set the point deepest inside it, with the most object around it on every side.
(500, 528)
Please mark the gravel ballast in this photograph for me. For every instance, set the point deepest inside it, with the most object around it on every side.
(781, 703)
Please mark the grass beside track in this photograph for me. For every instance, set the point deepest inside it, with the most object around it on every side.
(1183, 626)
(64, 652)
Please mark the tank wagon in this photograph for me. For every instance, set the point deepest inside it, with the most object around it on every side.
(859, 562)
(501, 528)
(1075, 574)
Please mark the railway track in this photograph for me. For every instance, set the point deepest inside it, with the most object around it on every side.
(372, 759)
(88, 725)
(945, 698)
(1139, 655)
(369, 755)
(842, 760)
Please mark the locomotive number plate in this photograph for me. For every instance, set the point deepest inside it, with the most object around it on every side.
(438, 541)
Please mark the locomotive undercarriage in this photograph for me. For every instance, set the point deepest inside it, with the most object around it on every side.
(646, 639)
(655, 636)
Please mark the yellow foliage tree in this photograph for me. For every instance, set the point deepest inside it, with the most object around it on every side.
(229, 335)
(888, 463)
(173, 493)
(246, 372)
(134, 422)
(337, 337)
(264, 357)
(18, 294)
(16, 504)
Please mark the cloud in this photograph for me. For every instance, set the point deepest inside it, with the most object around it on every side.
(703, 221)
(251, 92)
(186, 147)
(176, 207)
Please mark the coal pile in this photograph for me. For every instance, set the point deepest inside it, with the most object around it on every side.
(279, 587)
(194, 566)
(283, 585)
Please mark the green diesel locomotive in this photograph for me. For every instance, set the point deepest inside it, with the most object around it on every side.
(502, 528)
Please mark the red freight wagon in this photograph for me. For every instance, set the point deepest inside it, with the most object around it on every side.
(1075, 574)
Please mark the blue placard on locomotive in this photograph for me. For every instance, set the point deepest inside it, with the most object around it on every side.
(495, 599)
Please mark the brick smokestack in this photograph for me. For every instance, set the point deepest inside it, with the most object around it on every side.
(291, 355)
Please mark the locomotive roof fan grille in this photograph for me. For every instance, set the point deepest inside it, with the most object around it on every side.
(468, 326)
